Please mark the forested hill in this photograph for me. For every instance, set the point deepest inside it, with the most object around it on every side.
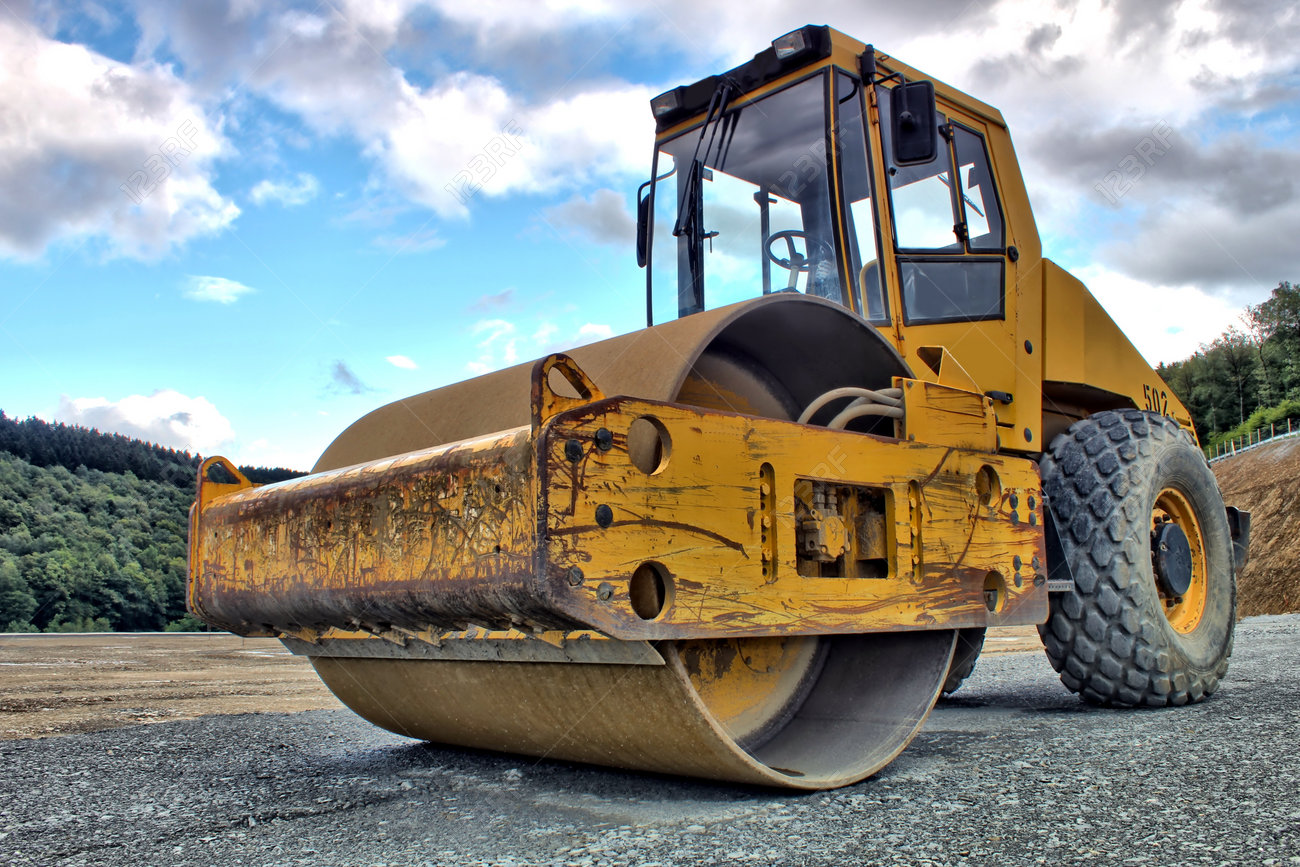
(93, 528)
(1247, 377)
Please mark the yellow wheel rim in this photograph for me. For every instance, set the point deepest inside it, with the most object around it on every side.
(1183, 612)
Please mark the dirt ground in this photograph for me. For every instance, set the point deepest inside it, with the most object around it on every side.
(1264, 482)
(60, 684)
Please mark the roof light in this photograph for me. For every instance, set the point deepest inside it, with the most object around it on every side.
(666, 102)
(791, 44)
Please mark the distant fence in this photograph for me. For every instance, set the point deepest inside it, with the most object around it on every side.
(1275, 430)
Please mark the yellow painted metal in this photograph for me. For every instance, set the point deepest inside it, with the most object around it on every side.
(208, 490)
(1184, 612)
(699, 517)
(476, 531)
(652, 363)
(373, 569)
(999, 354)
(1084, 348)
(943, 415)
(1048, 312)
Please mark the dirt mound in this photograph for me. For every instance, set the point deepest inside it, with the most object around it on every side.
(1265, 481)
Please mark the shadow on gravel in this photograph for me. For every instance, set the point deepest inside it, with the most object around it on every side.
(593, 780)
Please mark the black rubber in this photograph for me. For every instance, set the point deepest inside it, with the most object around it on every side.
(1109, 638)
(964, 656)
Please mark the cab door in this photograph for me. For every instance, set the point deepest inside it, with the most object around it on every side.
(954, 275)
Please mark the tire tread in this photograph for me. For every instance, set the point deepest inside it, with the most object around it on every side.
(1097, 636)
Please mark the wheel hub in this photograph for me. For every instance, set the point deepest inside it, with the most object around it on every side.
(1172, 554)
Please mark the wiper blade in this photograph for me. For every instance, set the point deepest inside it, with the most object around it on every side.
(688, 214)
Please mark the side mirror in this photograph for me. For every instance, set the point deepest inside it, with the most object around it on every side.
(642, 226)
(913, 126)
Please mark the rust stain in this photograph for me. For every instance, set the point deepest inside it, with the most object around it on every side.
(485, 532)
(652, 522)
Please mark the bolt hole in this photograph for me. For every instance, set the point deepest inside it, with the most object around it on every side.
(650, 590)
(648, 444)
(995, 592)
(988, 486)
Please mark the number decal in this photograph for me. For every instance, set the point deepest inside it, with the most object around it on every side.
(1157, 399)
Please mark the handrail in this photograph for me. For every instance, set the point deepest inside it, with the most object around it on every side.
(1252, 439)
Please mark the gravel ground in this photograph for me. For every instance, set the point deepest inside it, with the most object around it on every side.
(1012, 770)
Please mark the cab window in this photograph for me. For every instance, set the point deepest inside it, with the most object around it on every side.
(948, 231)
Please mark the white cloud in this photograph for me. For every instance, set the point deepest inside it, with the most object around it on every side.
(1165, 323)
(501, 144)
(544, 333)
(592, 331)
(332, 71)
(603, 217)
(503, 343)
(290, 194)
(165, 417)
(497, 344)
(94, 148)
(402, 361)
(1201, 66)
(216, 289)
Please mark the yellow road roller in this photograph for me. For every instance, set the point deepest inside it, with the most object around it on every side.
(756, 540)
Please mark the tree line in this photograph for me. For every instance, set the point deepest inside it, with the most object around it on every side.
(1247, 377)
(93, 529)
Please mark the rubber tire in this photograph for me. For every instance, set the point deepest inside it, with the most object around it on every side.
(1109, 638)
(964, 656)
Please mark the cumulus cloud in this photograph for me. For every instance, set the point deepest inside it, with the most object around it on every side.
(216, 289)
(401, 361)
(329, 68)
(602, 217)
(165, 417)
(1145, 313)
(299, 191)
(535, 115)
(94, 148)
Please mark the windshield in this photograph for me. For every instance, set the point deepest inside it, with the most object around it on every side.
(742, 206)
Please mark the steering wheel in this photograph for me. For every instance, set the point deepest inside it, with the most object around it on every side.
(797, 263)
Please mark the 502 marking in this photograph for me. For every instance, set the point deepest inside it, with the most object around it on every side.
(1157, 399)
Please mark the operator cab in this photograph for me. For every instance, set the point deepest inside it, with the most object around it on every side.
(762, 183)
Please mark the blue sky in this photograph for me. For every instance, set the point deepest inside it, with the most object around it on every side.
(295, 258)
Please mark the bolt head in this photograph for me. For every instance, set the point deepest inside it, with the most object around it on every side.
(573, 450)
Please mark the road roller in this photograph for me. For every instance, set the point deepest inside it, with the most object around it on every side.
(756, 540)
